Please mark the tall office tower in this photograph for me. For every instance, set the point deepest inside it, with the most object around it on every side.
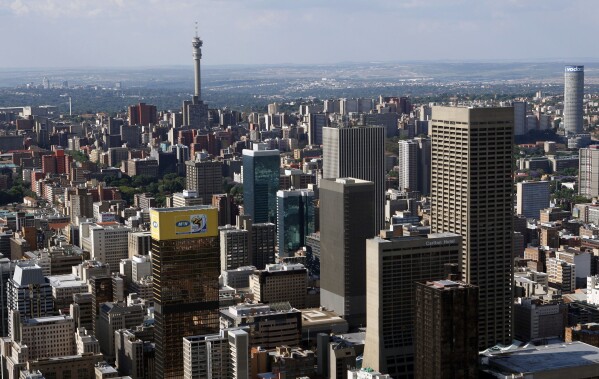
(316, 121)
(262, 241)
(185, 270)
(204, 177)
(295, 219)
(346, 211)
(358, 152)
(423, 182)
(227, 209)
(260, 183)
(471, 195)
(81, 205)
(234, 248)
(531, 197)
(273, 108)
(446, 339)
(217, 356)
(392, 268)
(520, 108)
(107, 243)
(101, 292)
(7, 270)
(388, 120)
(573, 95)
(141, 114)
(131, 134)
(28, 293)
(588, 171)
(407, 164)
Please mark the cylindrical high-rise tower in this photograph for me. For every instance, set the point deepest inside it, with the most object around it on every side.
(573, 94)
(197, 55)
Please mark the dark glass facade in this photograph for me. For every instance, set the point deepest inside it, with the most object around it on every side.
(185, 283)
(295, 219)
(260, 184)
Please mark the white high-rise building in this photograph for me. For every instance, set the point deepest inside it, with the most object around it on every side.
(106, 243)
(217, 356)
(407, 164)
(588, 171)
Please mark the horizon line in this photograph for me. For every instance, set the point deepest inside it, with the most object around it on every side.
(555, 60)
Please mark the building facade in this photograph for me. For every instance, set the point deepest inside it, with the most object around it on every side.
(531, 198)
(588, 171)
(260, 183)
(446, 337)
(185, 270)
(224, 355)
(205, 178)
(295, 219)
(358, 152)
(471, 195)
(392, 268)
(347, 214)
(573, 96)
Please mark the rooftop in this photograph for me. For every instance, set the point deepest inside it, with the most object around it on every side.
(28, 274)
(179, 209)
(47, 320)
(318, 316)
(544, 358)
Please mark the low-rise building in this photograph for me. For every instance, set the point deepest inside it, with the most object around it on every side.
(575, 360)
(269, 325)
(281, 282)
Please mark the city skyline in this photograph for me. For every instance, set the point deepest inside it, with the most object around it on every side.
(75, 33)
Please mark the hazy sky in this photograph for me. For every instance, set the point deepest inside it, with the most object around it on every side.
(76, 33)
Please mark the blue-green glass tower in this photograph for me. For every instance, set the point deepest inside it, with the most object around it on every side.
(295, 219)
(261, 183)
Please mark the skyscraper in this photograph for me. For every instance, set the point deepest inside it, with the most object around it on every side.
(316, 121)
(185, 270)
(392, 268)
(204, 177)
(260, 183)
(407, 164)
(573, 94)
(588, 171)
(141, 114)
(531, 198)
(415, 165)
(520, 109)
(346, 211)
(445, 330)
(295, 219)
(471, 195)
(358, 152)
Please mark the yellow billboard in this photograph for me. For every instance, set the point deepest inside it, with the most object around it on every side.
(184, 222)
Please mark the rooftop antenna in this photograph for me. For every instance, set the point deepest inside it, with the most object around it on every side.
(196, 28)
